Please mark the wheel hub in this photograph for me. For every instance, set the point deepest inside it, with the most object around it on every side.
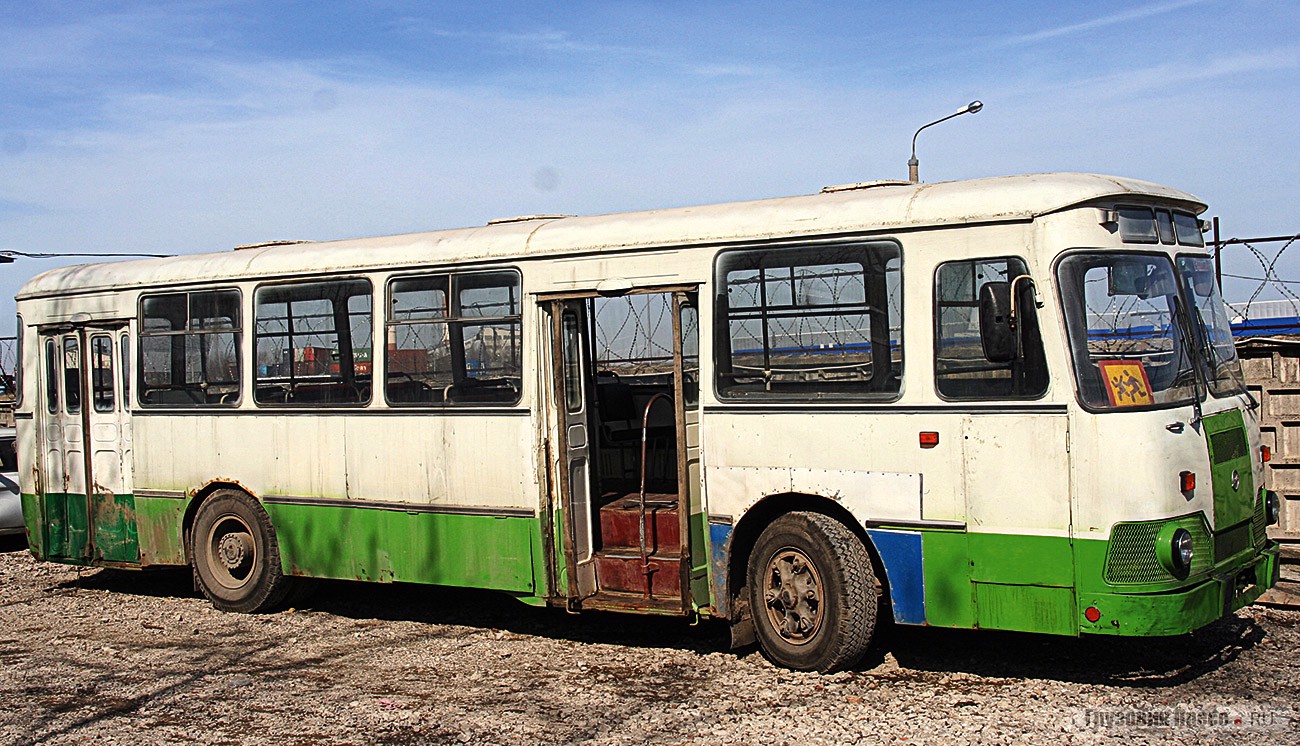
(233, 549)
(793, 596)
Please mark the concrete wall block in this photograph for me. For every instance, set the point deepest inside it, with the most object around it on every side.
(1286, 479)
(1283, 402)
(1286, 366)
(1258, 369)
(1289, 521)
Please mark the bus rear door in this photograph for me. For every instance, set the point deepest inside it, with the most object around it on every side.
(89, 510)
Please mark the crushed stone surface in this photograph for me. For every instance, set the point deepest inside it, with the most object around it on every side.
(96, 656)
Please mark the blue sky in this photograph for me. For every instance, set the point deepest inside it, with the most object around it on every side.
(192, 126)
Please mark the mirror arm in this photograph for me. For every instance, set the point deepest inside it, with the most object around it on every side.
(1032, 285)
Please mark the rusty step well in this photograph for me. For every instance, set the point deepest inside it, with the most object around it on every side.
(620, 525)
(622, 572)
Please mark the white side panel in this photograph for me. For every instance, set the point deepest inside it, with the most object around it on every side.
(446, 460)
(868, 495)
(874, 458)
(1016, 480)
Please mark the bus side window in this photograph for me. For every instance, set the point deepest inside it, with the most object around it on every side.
(454, 339)
(313, 343)
(961, 368)
(810, 322)
(189, 349)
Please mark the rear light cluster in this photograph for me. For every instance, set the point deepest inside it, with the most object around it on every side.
(1187, 482)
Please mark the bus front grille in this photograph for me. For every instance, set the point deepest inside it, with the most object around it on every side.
(1131, 558)
(1258, 526)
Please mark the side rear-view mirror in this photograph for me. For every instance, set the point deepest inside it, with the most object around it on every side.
(996, 333)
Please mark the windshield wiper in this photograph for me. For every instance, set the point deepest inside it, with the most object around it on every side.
(1212, 360)
(1193, 356)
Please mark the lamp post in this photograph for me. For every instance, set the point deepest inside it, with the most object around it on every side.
(913, 166)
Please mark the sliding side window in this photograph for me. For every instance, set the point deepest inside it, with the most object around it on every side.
(966, 365)
(314, 343)
(812, 323)
(454, 338)
(189, 349)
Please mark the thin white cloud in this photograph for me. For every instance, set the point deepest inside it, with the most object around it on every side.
(1116, 18)
(543, 39)
(1166, 78)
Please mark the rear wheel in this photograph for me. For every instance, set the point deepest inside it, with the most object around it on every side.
(812, 591)
(234, 554)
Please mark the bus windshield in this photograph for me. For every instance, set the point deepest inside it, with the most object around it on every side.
(1210, 317)
(1122, 314)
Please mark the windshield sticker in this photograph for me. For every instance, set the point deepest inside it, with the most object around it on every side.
(1127, 384)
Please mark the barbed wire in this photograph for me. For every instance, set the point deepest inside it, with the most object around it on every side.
(78, 254)
(1269, 267)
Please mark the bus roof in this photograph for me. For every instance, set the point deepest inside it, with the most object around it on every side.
(874, 208)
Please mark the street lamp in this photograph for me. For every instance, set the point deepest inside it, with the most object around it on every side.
(6, 258)
(913, 166)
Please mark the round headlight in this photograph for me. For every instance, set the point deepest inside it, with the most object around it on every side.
(1174, 550)
(1272, 508)
(1183, 552)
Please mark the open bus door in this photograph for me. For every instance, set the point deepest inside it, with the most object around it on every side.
(87, 501)
(624, 455)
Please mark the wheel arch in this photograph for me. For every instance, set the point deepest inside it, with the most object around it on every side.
(746, 532)
(201, 496)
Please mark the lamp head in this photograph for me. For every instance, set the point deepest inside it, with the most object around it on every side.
(971, 108)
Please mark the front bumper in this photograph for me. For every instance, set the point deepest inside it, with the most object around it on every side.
(1231, 587)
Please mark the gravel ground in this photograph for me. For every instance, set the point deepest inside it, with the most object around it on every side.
(108, 657)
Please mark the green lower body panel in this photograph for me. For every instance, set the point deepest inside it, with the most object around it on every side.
(114, 538)
(34, 518)
(76, 530)
(1048, 584)
(998, 581)
(161, 530)
(1025, 608)
(344, 542)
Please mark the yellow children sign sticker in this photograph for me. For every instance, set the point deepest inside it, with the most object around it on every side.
(1127, 384)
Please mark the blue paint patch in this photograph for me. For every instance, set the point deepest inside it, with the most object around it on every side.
(900, 551)
(719, 549)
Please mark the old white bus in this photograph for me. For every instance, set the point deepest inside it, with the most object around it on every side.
(1008, 403)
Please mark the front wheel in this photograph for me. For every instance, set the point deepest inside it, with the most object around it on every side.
(234, 554)
(813, 594)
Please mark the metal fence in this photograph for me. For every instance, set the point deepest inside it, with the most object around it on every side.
(1254, 316)
(8, 362)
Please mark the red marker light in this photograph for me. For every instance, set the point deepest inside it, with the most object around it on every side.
(1187, 481)
(1092, 614)
(929, 439)
(1265, 454)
